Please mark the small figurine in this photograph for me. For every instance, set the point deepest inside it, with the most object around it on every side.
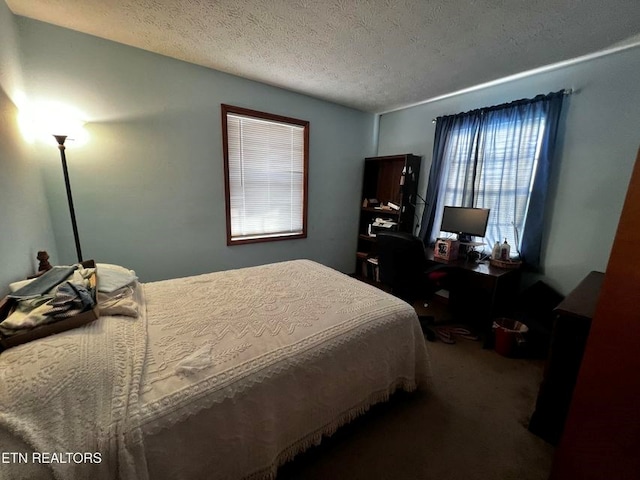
(44, 265)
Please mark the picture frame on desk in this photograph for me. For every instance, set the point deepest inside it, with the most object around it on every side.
(446, 249)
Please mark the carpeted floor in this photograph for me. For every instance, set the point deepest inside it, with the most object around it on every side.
(471, 424)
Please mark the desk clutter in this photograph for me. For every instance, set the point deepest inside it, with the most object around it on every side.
(446, 249)
(381, 225)
(450, 250)
(501, 256)
(506, 264)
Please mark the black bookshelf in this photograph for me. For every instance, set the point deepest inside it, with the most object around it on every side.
(392, 178)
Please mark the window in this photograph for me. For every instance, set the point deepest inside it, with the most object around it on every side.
(266, 160)
(502, 178)
(498, 158)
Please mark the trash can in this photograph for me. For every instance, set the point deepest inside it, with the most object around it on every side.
(509, 336)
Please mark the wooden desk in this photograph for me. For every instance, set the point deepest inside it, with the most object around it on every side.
(481, 292)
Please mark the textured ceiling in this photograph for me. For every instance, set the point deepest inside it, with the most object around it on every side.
(374, 55)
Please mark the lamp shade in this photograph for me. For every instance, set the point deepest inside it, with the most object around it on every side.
(59, 125)
(40, 121)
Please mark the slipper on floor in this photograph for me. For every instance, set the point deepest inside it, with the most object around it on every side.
(469, 336)
(444, 335)
(463, 332)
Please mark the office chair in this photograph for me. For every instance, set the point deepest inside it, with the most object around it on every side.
(404, 268)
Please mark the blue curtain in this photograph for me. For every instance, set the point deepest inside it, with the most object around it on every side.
(445, 146)
(532, 238)
(498, 158)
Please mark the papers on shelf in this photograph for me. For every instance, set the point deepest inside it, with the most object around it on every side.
(383, 223)
(390, 206)
(380, 224)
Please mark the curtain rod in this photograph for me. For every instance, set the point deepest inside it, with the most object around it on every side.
(566, 91)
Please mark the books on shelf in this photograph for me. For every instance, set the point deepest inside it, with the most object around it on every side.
(370, 269)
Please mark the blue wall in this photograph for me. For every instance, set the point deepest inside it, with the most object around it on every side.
(595, 155)
(148, 186)
(24, 218)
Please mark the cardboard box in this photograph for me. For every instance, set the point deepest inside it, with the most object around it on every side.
(52, 328)
(446, 249)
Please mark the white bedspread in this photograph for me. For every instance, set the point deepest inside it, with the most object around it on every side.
(240, 371)
(286, 352)
(74, 393)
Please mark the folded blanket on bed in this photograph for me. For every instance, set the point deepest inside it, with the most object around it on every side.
(66, 299)
(119, 302)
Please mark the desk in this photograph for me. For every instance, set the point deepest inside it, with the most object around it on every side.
(480, 292)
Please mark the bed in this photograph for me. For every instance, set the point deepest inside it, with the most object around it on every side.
(224, 375)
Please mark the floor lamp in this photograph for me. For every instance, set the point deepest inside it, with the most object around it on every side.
(72, 212)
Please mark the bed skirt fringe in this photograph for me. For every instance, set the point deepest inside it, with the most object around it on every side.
(315, 438)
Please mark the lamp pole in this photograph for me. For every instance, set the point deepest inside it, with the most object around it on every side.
(61, 139)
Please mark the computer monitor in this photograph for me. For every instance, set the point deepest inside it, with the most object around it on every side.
(466, 222)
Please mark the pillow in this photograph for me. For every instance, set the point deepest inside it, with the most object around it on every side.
(115, 268)
(113, 277)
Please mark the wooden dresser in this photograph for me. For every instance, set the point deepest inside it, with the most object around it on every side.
(571, 328)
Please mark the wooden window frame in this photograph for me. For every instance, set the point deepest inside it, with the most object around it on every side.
(226, 109)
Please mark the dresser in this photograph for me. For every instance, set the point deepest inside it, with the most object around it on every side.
(571, 327)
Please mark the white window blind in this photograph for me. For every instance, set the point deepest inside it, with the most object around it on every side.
(266, 178)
